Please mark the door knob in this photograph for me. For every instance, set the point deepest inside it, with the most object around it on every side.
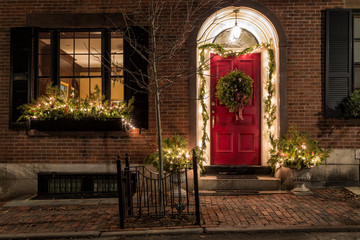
(212, 103)
(213, 121)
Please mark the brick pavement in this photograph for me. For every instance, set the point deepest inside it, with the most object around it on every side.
(327, 207)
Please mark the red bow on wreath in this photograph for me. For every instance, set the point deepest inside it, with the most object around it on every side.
(240, 98)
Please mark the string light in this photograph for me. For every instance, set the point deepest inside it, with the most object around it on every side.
(269, 101)
(59, 106)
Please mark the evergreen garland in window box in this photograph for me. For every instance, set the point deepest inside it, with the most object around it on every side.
(55, 111)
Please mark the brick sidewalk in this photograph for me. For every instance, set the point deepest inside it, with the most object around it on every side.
(327, 207)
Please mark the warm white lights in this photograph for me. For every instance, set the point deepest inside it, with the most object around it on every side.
(263, 30)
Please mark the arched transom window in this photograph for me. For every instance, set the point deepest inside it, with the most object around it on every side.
(245, 40)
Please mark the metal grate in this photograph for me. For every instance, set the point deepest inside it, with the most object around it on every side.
(104, 184)
(77, 185)
(64, 185)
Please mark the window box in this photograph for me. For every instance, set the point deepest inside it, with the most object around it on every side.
(111, 124)
(41, 56)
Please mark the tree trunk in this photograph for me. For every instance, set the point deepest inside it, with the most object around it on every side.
(157, 107)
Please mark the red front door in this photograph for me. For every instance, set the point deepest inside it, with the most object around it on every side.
(235, 142)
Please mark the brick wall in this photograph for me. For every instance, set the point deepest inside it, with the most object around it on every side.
(17, 147)
(304, 24)
(303, 21)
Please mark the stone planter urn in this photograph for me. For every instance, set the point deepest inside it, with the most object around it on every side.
(300, 177)
(178, 179)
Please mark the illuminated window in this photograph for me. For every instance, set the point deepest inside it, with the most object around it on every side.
(77, 60)
(245, 40)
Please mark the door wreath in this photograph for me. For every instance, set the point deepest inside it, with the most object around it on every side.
(234, 90)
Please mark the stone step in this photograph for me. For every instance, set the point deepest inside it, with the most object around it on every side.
(236, 169)
(256, 183)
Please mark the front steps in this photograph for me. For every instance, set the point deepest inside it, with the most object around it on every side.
(237, 180)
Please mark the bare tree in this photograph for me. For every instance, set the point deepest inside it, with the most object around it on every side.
(168, 24)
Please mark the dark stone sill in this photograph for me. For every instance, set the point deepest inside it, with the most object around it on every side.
(80, 134)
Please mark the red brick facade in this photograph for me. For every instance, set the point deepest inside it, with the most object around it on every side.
(303, 22)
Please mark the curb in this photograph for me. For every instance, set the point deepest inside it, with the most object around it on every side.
(272, 229)
(172, 232)
(51, 235)
(154, 232)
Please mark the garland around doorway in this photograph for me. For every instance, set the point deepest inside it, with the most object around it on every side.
(269, 102)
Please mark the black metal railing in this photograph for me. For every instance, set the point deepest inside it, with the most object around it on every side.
(143, 192)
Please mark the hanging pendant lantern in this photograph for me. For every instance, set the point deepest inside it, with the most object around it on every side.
(236, 30)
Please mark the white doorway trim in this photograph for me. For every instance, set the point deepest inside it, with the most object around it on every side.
(264, 31)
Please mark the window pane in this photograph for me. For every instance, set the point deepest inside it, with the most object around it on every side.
(43, 82)
(44, 54)
(95, 65)
(81, 43)
(95, 82)
(65, 86)
(70, 86)
(66, 54)
(82, 61)
(44, 65)
(117, 65)
(117, 44)
(66, 65)
(87, 84)
(83, 87)
(117, 89)
(67, 43)
(357, 77)
(357, 27)
(44, 43)
(357, 51)
(117, 49)
(95, 42)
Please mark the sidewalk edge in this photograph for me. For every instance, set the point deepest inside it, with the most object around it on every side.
(154, 232)
(47, 235)
(342, 228)
(200, 230)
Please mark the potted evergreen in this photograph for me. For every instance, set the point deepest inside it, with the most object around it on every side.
(300, 153)
(176, 157)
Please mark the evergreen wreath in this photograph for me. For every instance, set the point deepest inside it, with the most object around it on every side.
(234, 90)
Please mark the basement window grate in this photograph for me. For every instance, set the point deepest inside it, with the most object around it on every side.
(76, 185)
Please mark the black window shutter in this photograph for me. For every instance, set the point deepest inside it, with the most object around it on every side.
(135, 74)
(338, 70)
(20, 70)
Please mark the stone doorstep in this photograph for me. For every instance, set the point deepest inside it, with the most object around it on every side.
(238, 169)
(354, 189)
(260, 183)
